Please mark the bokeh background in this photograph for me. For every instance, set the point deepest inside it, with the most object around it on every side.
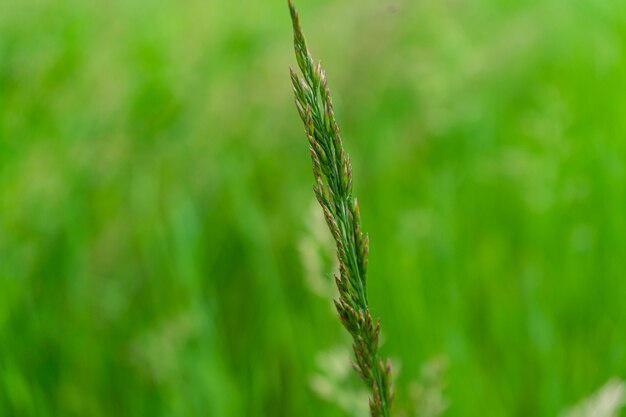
(160, 253)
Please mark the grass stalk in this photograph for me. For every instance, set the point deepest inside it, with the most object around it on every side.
(333, 189)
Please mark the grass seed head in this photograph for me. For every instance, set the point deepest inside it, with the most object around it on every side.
(332, 171)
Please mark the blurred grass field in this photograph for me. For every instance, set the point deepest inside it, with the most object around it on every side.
(155, 186)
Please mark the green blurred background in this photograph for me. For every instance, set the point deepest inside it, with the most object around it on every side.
(158, 255)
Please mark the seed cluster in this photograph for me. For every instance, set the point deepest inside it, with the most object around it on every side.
(333, 190)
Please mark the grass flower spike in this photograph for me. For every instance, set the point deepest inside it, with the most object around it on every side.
(333, 189)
